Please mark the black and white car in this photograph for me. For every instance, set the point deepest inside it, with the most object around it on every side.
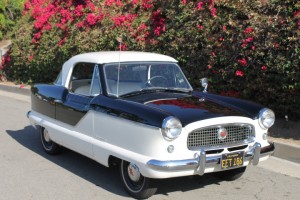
(138, 111)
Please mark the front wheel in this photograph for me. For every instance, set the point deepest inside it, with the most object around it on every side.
(49, 146)
(135, 183)
(232, 174)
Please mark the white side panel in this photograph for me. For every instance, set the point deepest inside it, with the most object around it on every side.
(66, 135)
(135, 137)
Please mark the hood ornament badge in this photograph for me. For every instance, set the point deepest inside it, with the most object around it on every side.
(222, 133)
(204, 83)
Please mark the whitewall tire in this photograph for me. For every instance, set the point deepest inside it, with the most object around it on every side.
(49, 146)
(136, 184)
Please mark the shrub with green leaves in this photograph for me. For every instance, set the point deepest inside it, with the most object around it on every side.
(10, 12)
(247, 49)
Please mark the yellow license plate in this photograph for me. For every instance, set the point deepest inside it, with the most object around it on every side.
(232, 160)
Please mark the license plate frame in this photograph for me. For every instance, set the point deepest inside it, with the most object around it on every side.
(232, 160)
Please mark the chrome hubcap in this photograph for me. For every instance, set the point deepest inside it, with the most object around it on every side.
(46, 136)
(133, 172)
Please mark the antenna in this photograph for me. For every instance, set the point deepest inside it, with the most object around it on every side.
(119, 39)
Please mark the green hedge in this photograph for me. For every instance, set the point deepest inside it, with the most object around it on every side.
(10, 11)
(247, 49)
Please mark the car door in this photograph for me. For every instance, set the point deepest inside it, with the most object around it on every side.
(74, 111)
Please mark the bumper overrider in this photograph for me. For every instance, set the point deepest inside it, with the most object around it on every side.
(201, 161)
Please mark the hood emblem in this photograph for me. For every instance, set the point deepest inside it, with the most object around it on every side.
(222, 133)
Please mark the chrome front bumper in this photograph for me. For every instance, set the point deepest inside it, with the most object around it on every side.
(201, 161)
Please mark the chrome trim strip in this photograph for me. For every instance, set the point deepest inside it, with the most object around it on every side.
(173, 165)
(200, 162)
(254, 153)
(226, 146)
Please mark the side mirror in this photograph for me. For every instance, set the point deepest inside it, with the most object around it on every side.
(204, 83)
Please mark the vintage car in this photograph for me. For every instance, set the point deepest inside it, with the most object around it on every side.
(137, 111)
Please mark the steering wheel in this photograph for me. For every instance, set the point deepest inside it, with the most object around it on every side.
(163, 81)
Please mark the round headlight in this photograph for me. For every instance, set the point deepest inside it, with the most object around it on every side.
(171, 128)
(266, 118)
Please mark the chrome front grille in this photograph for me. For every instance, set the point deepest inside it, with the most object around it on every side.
(209, 136)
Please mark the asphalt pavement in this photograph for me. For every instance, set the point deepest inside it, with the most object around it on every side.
(27, 172)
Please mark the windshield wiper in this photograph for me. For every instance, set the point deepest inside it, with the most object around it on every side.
(142, 91)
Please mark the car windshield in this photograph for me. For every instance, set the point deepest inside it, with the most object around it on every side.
(128, 78)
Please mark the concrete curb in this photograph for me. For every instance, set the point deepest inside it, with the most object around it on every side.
(15, 89)
(286, 151)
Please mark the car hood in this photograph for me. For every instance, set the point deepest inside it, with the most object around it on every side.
(199, 106)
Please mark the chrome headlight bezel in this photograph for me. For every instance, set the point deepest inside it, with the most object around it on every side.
(171, 128)
(266, 118)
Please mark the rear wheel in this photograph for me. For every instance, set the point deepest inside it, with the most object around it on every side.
(135, 183)
(49, 146)
(232, 174)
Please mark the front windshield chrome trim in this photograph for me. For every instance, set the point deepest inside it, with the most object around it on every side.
(159, 100)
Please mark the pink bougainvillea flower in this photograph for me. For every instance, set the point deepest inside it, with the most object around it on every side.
(213, 12)
(200, 27)
(78, 11)
(123, 47)
(239, 73)
(253, 48)
(200, 5)
(119, 3)
(159, 23)
(30, 58)
(91, 19)
(109, 2)
(80, 24)
(184, 1)
(147, 4)
(224, 28)
(134, 2)
(209, 66)
(248, 30)
(264, 68)
(242, 61)
(250, 39)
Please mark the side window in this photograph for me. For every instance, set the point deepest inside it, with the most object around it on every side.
(82, 78)
(179, 78)
(58, 80)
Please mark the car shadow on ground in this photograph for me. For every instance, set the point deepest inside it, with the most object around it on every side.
(101, 176)
(285, 129)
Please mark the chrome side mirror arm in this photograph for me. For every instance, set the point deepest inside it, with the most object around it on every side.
(204, 83)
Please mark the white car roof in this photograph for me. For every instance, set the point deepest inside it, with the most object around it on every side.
(111, 57)
(123, 56)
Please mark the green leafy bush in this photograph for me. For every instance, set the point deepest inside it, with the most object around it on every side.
(247, 49)
(10, 11)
